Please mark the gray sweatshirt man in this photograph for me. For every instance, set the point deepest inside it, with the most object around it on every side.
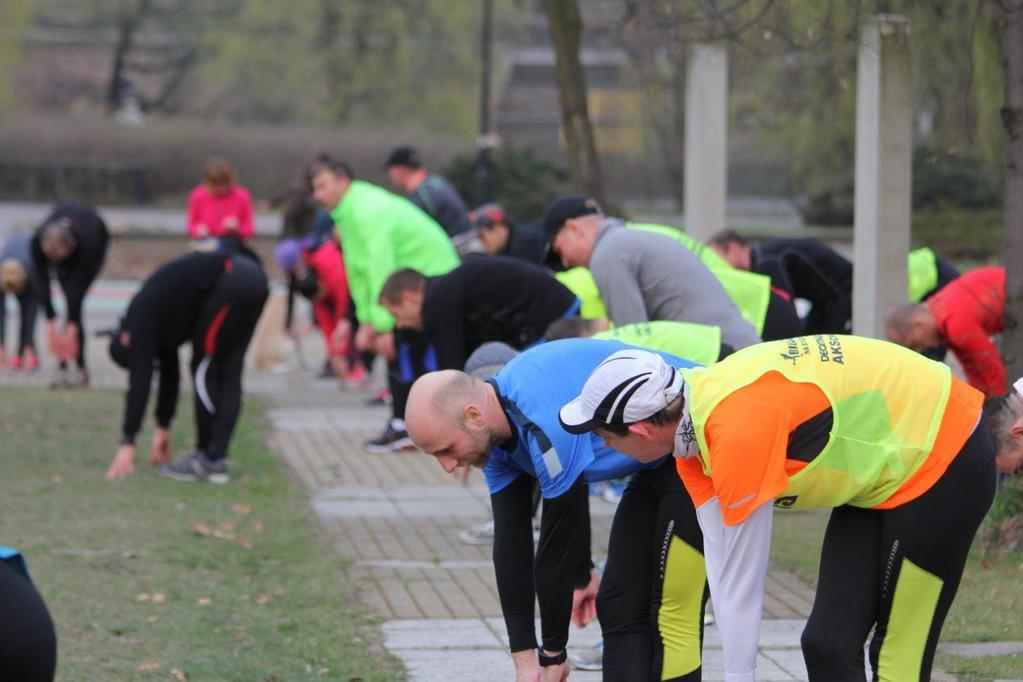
(645, 276)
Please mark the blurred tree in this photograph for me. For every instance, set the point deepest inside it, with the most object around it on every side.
(15, 16)
(565, 26)
(347, 61)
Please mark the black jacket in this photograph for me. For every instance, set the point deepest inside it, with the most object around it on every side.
(492, 298)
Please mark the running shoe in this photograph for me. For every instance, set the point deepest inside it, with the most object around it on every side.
(478, 534)
(358, 378)
(483, 533)
(327, 371)
(197, 467)
(31, 363)
(391, 440)
(70, 378)
(14, 363)
(381, 398)
(590, 658)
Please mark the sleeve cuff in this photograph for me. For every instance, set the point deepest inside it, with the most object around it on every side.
(741, 677)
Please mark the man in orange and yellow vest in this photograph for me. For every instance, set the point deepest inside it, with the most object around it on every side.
(888, 439)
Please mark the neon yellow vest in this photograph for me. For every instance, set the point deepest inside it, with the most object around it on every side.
(887, 403)
(580, 282)
(700, 343)
(750, 291)
(922, 273)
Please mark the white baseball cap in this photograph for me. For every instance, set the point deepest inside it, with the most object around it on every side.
(629, 386)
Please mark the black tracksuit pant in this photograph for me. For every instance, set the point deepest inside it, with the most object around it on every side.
(654, 588)
(896, 571)
(225, 324)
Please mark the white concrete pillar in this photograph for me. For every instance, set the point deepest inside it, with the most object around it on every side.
(706, 153)
(884, 144)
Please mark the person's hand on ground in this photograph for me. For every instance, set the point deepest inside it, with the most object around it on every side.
(527, 667)
(584, 601)
(124, 462)
(364, 338)
(71, 341)
(55, 340)
(160, 453)
(555, 673)
(383, 345)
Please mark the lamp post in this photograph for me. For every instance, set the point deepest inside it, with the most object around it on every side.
(485, 140)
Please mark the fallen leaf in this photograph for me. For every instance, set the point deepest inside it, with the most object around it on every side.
(57, 478)
(264, 599)
(179, 674)
(203, 529)
(159, 598)
(146, 667)
(257, 527)
(228, 526)
(278, 591)
(244, 543)
(142, 596)
(204, 601)
(242, 509)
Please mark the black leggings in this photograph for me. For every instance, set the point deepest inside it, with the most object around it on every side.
(898, 569)
(27, 327)
(226, 322)
(413, 358)
(654, 589)
(28, 643)
(781, 320)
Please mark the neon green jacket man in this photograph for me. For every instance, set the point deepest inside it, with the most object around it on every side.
(382, 232)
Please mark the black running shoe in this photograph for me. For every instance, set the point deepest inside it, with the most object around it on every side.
(197, 467)
(391, 440)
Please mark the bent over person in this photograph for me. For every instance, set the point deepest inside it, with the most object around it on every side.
(888, 439)
(213, 300)
(651, 598)
(72, 241)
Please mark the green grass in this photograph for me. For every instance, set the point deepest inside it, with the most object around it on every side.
(146, 575)
(988, 606)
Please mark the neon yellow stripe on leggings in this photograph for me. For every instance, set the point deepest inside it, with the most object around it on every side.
(916, 599)
(678, 619)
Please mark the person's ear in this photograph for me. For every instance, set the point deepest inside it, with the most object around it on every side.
(473, 415)
(641, 429)
(1016, 430)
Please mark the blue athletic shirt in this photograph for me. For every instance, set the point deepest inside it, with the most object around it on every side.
(532, 388)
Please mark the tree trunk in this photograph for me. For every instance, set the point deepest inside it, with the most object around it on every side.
(1011, 30)
(127, 24)
(565, 25)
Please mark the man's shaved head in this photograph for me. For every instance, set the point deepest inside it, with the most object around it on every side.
(447, 414)
(439, 399)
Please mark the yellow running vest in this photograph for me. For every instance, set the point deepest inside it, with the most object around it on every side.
(580, 282)
(887, 403)
(700, 343)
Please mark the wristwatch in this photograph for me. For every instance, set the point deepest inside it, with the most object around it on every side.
(547, 661)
